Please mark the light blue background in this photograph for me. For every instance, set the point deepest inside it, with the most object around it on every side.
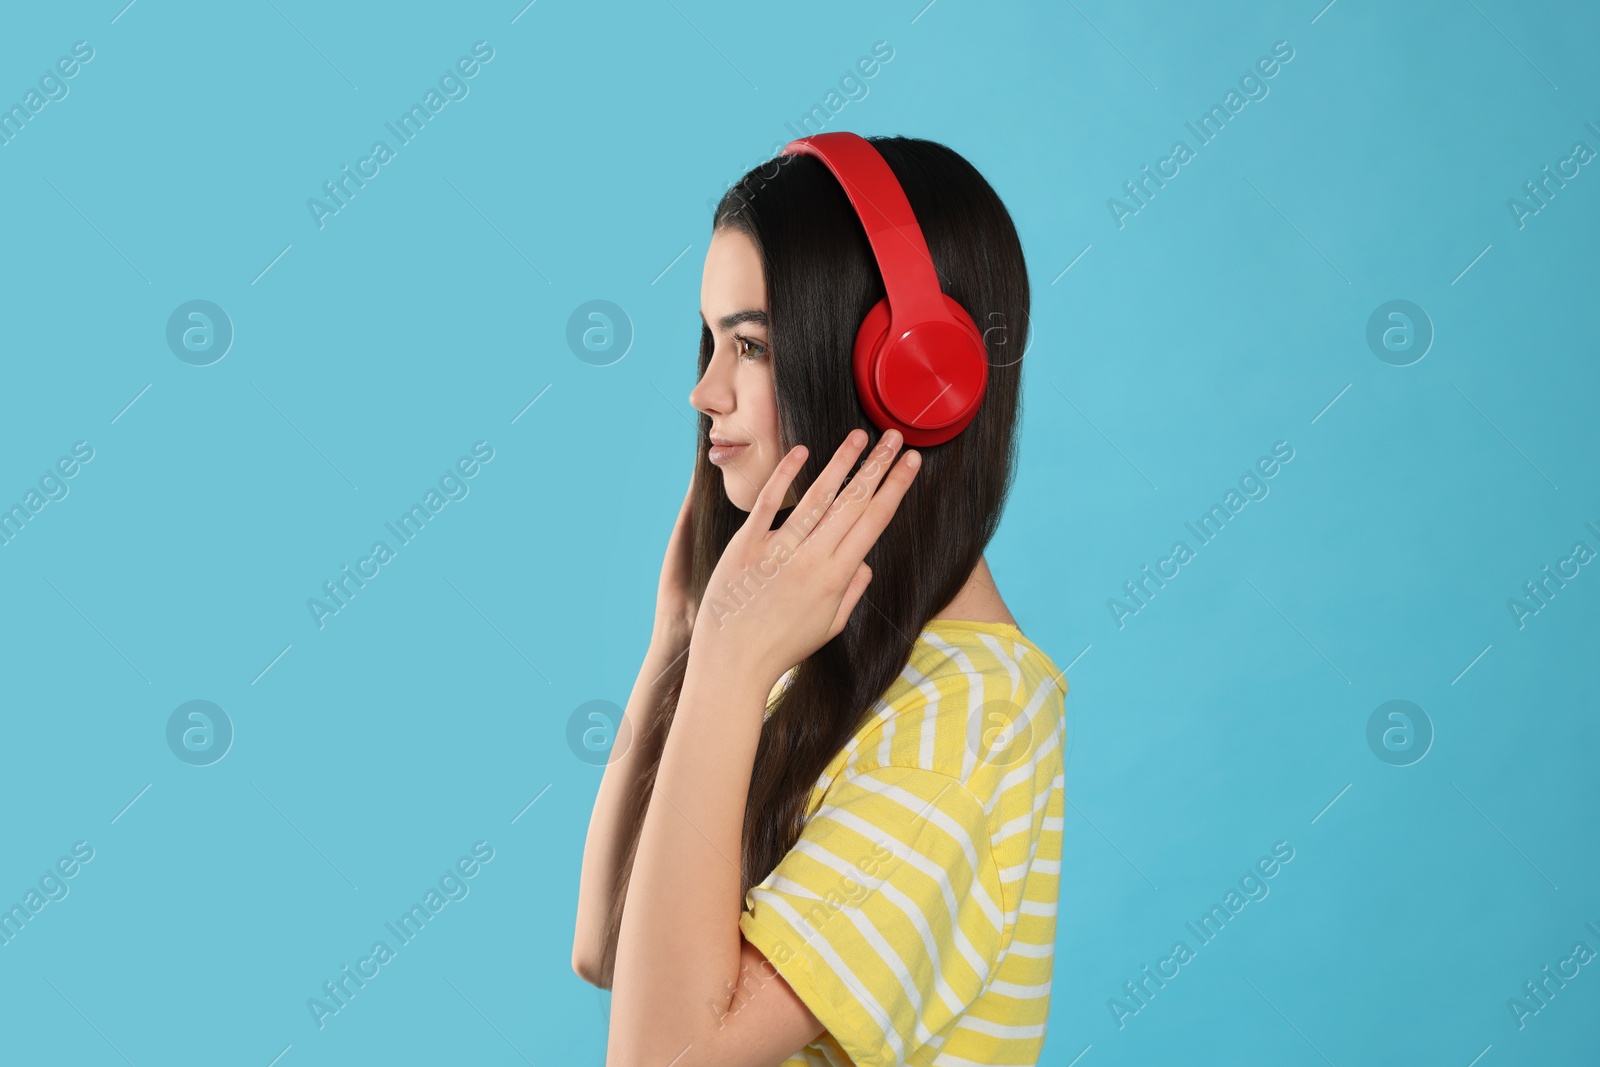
(1228, 314)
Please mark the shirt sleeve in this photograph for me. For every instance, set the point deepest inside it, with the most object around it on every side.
(887, 917)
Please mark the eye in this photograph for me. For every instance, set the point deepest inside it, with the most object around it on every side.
(741, 342)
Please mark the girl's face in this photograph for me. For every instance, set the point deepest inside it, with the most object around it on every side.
(737, 391)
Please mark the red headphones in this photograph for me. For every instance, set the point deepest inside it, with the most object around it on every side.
(920, 364)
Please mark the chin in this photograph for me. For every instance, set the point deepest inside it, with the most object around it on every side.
(742, 488)
(738, 493)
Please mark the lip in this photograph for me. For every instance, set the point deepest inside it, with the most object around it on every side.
(724, 448)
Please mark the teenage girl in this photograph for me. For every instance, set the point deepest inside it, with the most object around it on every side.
(834, 833)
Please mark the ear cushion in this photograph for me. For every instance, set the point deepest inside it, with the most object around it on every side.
(929, 382)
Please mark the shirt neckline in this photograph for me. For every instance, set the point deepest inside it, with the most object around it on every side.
(973, 625)
(932, 625)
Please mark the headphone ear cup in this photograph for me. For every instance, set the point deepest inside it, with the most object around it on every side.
(898, 375)
(870, 338)
(977, 351)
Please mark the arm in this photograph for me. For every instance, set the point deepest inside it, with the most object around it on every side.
(687, 985)
(602, 849)
(681, 949)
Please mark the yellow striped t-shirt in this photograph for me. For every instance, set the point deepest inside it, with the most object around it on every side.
(916, 915)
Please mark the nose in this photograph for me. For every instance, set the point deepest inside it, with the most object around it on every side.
(713, 394)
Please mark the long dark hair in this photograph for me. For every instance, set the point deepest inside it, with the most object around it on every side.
(821, 280)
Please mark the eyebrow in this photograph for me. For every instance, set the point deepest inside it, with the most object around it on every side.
(750, 315)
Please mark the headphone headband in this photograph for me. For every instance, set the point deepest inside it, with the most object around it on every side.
(919, 361)
(897, 243)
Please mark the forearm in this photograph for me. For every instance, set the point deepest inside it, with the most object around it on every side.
(679, 952)
(604, 845)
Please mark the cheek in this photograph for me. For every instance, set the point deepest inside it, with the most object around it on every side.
(764, 407)
(756, 402)
(771, 447)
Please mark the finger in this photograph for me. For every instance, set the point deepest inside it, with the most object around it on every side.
(849, 505)
(864, 532)
(770, 498)
(809, 512)
(682, 525)
(852, 596)
(687, 508)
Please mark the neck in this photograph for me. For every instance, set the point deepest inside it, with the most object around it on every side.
(979, 599)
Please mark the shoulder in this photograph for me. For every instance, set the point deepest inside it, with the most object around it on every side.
(982, 706)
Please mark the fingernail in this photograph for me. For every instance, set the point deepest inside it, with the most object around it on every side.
(913, 460)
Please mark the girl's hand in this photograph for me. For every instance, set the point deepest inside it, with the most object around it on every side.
(675, 611)
(776, 596)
